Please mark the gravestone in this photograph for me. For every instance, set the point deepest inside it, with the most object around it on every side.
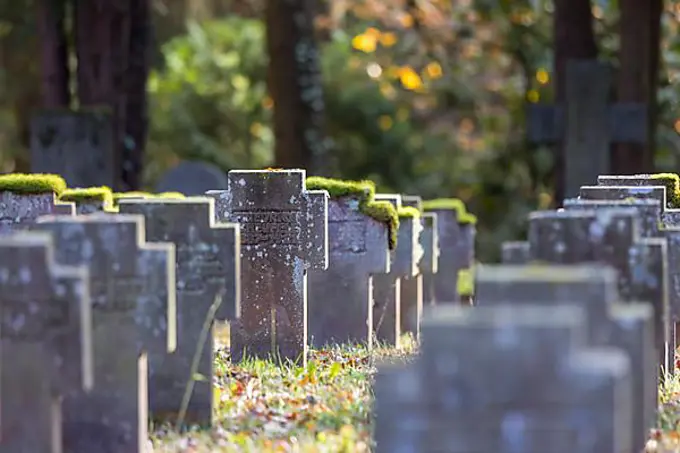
(192, 179)
(341, 298)
(78, 145)
(283, 235)
(133, 309)
(18, 211)
(45, 341)
(592, 287)
(553, 397)
(670, 215)
(588, 124)
(208, 265)
(514, 252)
(387, 287)
(649, 211)
(610, 237)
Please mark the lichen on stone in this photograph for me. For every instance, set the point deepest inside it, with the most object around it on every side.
(169, 195)
(672, 183)
(466, 282)
(134, 194)
(364, 191)
(454, 204)
(32, 183)
(408, 212)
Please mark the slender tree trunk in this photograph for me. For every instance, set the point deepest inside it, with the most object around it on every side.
(574, 39)
(640, 26)
(51, 16)
(136, 109)
(295, 85)
(102, 46)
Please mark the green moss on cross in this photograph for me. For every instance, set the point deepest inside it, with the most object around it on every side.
(672, 183)
(466, 282)
(101, 195)
(32, 183)
(454, 204)
(169, 195)
(408, 212)
(364, 192)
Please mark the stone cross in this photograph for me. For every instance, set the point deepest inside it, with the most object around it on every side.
(133, 306)
(192, 179)
(208, 265)
(611, 237)
(77, 145)
(412, 296)
(283, 234)
(20, 210)
(515, 252)
(387, 287)
(593, 287)
(587, 124)
(340, 298)
(45, 341)
(553, 393)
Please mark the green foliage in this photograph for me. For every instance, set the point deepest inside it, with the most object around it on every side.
(672, 183)
(90, 194)
(32, 183)
(454, 204)
(364, 191)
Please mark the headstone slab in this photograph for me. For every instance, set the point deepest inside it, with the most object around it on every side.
(79, 146)
(340, 299)
(623, 193)
(207, 268)
(18, 211)
(515, 252)
(45, 341)
(133, 303)
(281, 229)
(649, 209)
(444, 283)
(192, 179)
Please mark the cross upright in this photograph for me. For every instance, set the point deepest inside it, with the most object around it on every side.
(587, 124)
(45, 341)
(133, 308)
(284, 232)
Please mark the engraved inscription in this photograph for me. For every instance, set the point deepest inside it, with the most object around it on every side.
(201, 266)
(32, 320)
(347, 236)
(116, 293)
(266, 228)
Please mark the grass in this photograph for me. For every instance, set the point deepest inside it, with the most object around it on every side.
(264, 408)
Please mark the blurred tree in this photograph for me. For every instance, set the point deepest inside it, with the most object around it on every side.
(294, 83)
(54, 67)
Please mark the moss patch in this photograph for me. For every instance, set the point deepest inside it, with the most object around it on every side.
(364, 191)
(32, 183)
(118, 195)
(466, 282)
(455, 204)
(408, 212)
(672, 183)
(91, 194)
(169, 195)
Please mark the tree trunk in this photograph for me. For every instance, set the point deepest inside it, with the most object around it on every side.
(136, 109)
(574, 39)
(51, 15)
(640, 28)
(102, 30)
(294, 81)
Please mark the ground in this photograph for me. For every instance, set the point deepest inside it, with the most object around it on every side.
(324, 408)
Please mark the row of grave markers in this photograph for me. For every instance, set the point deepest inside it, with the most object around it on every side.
(105, 317)
(568, 341)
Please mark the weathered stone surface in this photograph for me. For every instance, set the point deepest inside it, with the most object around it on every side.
(282, 236)
(515, 252)
(445, 281)
(387, 287)
(207, 270)
(649, 210)
(79, 146)
(340, 298)
(192, 179)
(18, 211)
(592, 287)
(133, 307)
(430, 241)
(45, 341)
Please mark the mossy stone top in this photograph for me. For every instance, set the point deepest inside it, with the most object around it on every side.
(102, 195)
(455, 204)
(364, 191)
(672, 183)
(32, 183)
